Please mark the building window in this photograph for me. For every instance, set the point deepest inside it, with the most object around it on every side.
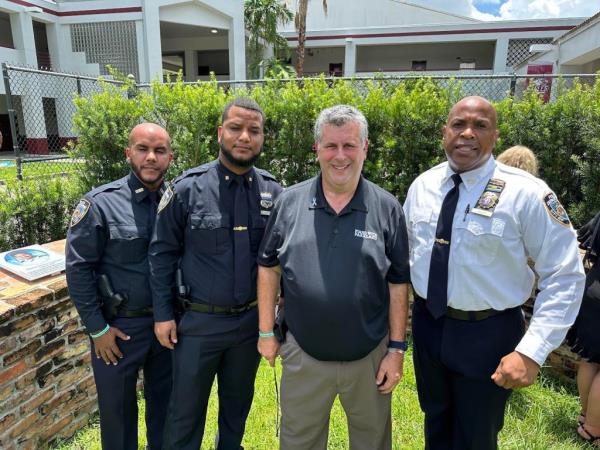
(336, 69)
(419, 66)
(6, 39)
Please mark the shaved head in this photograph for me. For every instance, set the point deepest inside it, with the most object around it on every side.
(476, 102)
(149, 128)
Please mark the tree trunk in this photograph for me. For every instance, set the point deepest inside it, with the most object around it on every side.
(301, 27)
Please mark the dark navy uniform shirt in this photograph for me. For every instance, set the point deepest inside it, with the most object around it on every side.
(109, 234)
(336, 267)
(194, 228)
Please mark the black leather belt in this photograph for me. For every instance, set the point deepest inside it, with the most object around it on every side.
(143, 312)
(459, 314)
(215, 309)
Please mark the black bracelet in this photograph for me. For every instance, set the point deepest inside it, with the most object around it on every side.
(400, 345)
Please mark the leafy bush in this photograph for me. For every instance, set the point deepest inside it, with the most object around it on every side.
(36, 212)
(405, 121)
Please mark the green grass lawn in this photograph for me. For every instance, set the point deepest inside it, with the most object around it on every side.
(39, 169)
(541, 417)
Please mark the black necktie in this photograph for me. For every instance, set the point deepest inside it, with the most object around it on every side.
(241, 244)
(437, 287)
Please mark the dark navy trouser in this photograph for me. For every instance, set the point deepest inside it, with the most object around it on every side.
(212, 345)
(116, 386)
(454, 360)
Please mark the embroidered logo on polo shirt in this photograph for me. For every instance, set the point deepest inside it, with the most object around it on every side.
(365, 234)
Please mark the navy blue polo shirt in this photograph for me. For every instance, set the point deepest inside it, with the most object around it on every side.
(109, 234)
(194, 229)
(336, 267)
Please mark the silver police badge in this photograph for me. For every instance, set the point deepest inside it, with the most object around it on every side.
(266, 203)
(165, 199)
(80, 211)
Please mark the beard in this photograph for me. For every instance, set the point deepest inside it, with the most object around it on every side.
(239, 162)
(149, 181)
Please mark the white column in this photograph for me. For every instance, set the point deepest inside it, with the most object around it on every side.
(144, 76)
(191, 65)
(500, 55)
(152, 43)
(350, 58)
(22, 27)
(237, 48)
(31, 96)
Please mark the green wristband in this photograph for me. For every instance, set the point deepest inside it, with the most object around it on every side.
(101, 333)
(265, 335)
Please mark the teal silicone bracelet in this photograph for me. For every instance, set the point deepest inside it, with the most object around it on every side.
(271, 334)
(100, 333)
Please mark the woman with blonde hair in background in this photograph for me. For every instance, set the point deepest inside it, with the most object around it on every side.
(520, 157)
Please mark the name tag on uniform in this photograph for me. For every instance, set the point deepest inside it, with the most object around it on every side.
(489, 198)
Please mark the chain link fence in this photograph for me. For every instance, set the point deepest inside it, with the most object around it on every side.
(41, 106)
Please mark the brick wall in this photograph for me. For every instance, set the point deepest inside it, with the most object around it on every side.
(47, 389)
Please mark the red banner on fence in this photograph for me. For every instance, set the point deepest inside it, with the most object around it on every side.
(542, 85)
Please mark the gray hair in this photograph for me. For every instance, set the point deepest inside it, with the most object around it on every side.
(340, 115)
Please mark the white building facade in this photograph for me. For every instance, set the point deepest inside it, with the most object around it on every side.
(145, 38)
(364, 37)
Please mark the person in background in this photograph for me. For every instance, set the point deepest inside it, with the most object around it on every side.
(584, 339)
(520, 157)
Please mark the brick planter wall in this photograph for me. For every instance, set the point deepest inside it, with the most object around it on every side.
(47, 388)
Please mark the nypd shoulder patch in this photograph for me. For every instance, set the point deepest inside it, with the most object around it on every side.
(555, 209)
(165, 199)
(80, 211)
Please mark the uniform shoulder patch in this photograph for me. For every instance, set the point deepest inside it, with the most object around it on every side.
(80, 211)
(165, 199)
(555, 209)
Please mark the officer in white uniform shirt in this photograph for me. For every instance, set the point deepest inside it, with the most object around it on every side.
(472, 224)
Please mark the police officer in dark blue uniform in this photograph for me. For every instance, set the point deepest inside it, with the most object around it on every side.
(107, 274)
(210, 224)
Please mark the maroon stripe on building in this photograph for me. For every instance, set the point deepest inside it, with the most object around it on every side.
(85, 12)
(436, 33)
(36, 146)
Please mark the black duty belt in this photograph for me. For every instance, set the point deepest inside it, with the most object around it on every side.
(215, 309)
(459, 314)
(143, 312)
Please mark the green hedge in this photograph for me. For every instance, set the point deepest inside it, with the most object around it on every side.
(405, 121)
(36, 212)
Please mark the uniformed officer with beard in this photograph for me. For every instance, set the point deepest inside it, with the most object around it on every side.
(107, 274)
(210, 225)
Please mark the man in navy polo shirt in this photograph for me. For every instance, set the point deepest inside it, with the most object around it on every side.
(339, 244)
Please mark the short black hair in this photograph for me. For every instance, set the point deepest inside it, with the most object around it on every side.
(242, 102)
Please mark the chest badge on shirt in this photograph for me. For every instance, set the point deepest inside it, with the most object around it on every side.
(165, 199)
(80, 211)
(365, 234)
(556, 210)
(489, 198)
(266, 203)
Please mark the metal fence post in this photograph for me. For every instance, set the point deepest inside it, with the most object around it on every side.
(13, 122)
(513, 84)
(78, 86)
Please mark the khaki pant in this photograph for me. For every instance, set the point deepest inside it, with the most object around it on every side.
(309, 388)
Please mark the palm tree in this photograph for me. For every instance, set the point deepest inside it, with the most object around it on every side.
(300, 23)
(262, 18)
